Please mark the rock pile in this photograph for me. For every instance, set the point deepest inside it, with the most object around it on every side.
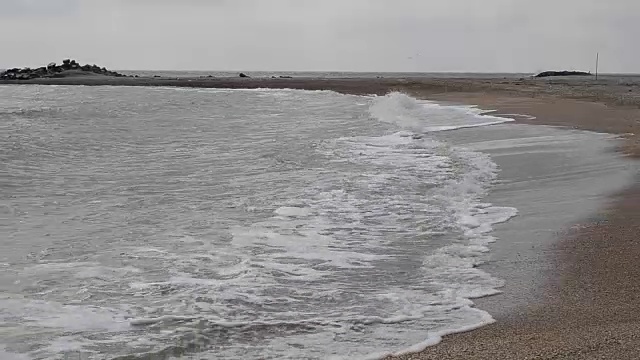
(562, 73)
(52, 70)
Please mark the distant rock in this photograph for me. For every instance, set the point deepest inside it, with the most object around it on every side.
(68, 66)
(562, 73)
(243, 75)
(285, 77)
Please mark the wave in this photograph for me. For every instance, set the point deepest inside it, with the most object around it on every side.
(462, 197)
(426, 116)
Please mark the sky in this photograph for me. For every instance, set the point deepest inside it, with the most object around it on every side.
(323, 35)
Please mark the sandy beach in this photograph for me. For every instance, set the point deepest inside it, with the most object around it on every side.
(590, 301)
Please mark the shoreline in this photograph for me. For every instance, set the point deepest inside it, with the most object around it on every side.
(591, 295)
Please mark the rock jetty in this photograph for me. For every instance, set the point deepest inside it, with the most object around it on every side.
(563, 73)
(54, 70)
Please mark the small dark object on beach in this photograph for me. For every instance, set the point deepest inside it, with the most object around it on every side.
(563, 73)
(156, 76)
(285, 77)
(243, 75)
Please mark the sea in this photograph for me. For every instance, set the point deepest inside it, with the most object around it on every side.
(162, 223)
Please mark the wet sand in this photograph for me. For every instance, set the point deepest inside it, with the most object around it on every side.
(588, 303)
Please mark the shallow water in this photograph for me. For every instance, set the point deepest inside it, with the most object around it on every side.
(239, 223)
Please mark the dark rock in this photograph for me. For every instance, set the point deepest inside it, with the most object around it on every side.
(243, 75)
(562, 73)
(285, 77)
(53, 70)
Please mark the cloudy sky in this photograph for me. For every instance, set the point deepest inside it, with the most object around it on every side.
(356, 35)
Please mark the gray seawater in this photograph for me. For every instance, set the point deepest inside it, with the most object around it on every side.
(238, 224)
(143, 223)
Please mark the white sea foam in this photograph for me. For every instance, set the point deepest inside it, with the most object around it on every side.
(291, 211)
(399, 164)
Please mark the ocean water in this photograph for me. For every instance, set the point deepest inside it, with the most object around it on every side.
(162, 223)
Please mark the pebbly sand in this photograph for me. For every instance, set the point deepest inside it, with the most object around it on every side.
(589, 304)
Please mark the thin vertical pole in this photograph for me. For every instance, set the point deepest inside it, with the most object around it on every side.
(597, 61)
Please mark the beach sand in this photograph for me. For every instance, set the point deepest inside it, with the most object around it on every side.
(587, 308)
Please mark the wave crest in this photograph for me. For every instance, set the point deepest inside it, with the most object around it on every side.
(426, 116)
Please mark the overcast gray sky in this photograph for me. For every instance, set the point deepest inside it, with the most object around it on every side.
(356, 35)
